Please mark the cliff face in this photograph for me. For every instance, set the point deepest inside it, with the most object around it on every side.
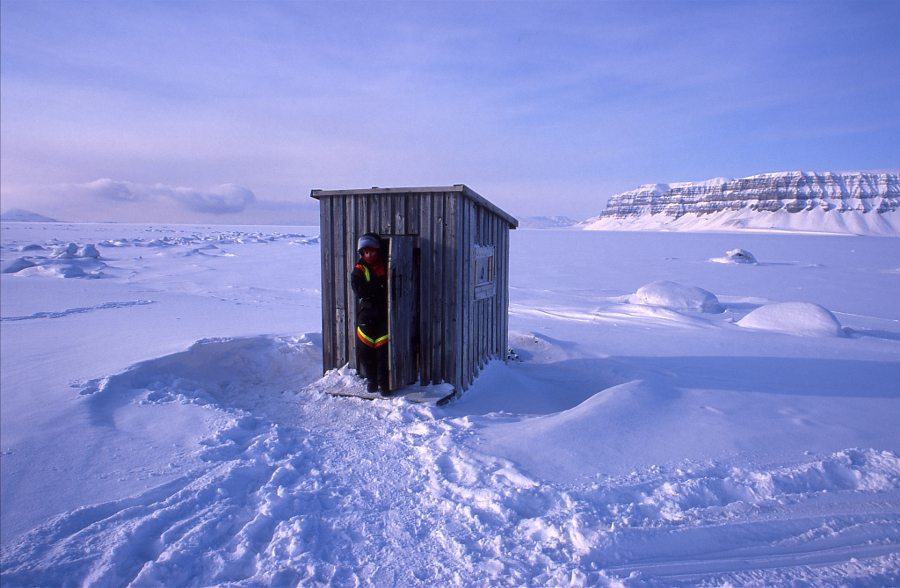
(793, 192)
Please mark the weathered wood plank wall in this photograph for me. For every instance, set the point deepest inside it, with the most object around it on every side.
(457, 334)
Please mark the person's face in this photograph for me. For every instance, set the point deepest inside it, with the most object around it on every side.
(370, 254)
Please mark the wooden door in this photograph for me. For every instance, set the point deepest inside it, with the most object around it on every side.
(403, 302)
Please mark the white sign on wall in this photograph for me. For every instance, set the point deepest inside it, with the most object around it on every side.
(484, 272)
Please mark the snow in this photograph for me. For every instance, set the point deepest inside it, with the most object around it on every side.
(852, 203)
(674, 296)
(851, 222)
(803, 319)
(545, 222)
(663, 419)
(736, 256)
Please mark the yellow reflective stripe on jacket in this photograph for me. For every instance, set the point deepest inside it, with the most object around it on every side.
(369, 340)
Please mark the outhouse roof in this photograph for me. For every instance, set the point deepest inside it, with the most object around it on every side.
(464, 190)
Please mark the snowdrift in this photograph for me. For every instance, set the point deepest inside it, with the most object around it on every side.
(674, 296)
(804, 319)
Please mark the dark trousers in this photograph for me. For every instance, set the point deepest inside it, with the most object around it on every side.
(372, 362)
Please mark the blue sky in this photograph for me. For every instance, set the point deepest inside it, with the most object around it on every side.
(232, 111)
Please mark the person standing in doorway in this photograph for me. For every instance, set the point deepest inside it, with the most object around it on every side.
(369, 282)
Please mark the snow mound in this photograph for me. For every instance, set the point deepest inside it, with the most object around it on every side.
(589, 433)
(64, 261)
(74, 251)
(217, 372)
(539, 348)
(18, 265)
(677, 297)
(803, 319)
(32, 247)
(56, 268)
(501, 389)
(736, 256)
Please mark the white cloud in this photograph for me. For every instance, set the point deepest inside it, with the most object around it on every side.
(107, 200)
(109, 190)
(221, 199)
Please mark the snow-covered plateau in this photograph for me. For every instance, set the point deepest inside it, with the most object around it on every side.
(678, 409)
(843, 203)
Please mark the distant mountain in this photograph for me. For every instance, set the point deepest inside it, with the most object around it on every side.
(853, 203)
(546, 222)
(17, 215)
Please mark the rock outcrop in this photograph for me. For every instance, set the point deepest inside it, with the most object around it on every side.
(744, 202)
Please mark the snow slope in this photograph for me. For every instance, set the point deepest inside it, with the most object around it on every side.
(852, 222)
(665, 418)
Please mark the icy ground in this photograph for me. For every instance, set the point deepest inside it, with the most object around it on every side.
(670, 416)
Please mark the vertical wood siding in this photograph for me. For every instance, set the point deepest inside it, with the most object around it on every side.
(427, 274)
(458, 335)
(326, 244)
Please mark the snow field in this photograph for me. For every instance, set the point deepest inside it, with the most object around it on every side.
(301, 488)
(625, 444)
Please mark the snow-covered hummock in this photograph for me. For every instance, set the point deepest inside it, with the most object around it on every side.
(66, 261)
(845, 203)
(663, 420)
(674, 296)
(804, 319)
(736, 256)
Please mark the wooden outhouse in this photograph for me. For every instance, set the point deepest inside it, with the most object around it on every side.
(448, 270)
